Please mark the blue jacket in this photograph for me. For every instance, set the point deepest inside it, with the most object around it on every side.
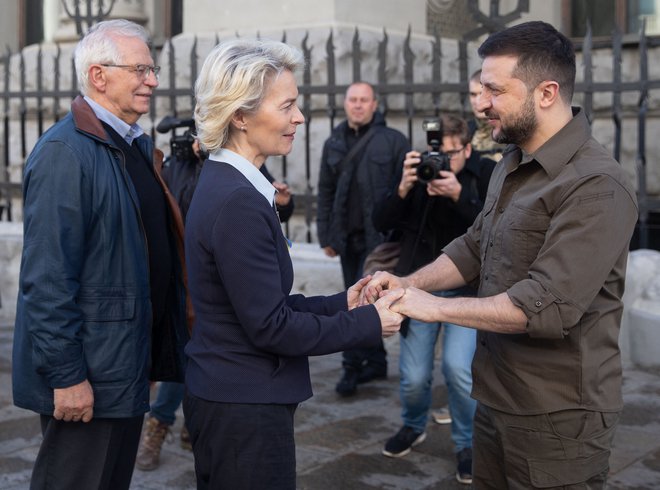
(251, 337)
(84, 308)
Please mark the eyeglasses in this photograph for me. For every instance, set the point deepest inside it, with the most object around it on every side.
(453, 153)
(142, 71)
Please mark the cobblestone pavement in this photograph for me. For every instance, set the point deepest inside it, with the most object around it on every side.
(339, 441)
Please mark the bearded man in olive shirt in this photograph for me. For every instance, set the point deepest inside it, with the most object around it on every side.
(549, 251)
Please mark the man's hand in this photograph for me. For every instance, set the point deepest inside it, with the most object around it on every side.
(283, 195)
(74, 403)
(419, 305)
(354, 292)
(330, 252)
(409, 175)
(390, 321)
(380, 282)
(446, 186)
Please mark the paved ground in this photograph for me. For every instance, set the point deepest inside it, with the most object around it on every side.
(339, 440)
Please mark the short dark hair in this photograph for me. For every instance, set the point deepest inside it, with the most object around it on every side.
(543, 54)
(455, 126)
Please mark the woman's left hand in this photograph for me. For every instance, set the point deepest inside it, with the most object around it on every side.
(354, 292)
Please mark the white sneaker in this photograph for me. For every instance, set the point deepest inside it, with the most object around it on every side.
(441, 416)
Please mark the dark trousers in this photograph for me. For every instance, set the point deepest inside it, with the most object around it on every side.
(568, 449)
(97, 455)
(351, 265)
(241, 446)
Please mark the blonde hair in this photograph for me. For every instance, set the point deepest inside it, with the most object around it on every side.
(234, 77)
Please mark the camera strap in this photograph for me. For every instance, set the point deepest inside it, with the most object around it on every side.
(348, 162)
(422, 224)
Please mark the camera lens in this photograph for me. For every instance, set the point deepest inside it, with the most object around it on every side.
(431, 165)
(426, 172)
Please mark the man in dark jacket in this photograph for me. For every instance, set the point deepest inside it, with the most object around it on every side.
(101, 304)
(429, 215)
(347, 190)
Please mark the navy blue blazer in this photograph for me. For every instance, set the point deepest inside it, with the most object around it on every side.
(251, 337)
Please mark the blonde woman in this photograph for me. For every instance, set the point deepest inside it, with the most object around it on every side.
(247, 368)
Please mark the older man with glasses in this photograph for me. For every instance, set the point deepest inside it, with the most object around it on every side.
(102, 303)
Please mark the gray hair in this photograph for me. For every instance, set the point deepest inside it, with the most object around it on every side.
(98, 46)
(234, 77)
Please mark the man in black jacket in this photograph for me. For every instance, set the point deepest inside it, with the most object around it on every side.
(428, 216)
(358, 168)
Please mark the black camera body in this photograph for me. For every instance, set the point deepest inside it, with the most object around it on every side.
(432, 161)
(181, 145)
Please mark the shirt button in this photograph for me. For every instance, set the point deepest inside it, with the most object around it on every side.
(490, 243)
(486, 277)
(538, 304)
(501, 210)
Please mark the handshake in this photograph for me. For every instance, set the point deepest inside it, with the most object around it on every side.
(393, 298)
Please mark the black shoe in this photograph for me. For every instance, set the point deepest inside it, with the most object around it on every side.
(464, 468)
(347, 385)
(369, 373)
(403, 441)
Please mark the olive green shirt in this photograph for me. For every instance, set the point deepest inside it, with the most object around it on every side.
(554, 234)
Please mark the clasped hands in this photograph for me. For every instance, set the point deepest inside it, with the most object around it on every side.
(393, 298)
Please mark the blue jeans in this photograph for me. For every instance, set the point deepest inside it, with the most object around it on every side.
(167, 402)
(416, 370)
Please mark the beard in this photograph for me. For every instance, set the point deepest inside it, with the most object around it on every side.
(520, 129)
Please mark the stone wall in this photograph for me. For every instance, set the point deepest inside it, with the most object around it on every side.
(640, 326)
(11, 245)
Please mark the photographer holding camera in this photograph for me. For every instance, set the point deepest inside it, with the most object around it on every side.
(440, 193)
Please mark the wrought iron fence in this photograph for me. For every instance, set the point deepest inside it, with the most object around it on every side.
(48, 104)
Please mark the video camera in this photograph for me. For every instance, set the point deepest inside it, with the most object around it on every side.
(432, 161)
(181, 146)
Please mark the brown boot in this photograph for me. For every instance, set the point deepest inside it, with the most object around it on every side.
(153, 435)
(186, 443)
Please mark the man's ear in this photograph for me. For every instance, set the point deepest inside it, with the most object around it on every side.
(468, 150)
(97, 78)
(548, 92)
